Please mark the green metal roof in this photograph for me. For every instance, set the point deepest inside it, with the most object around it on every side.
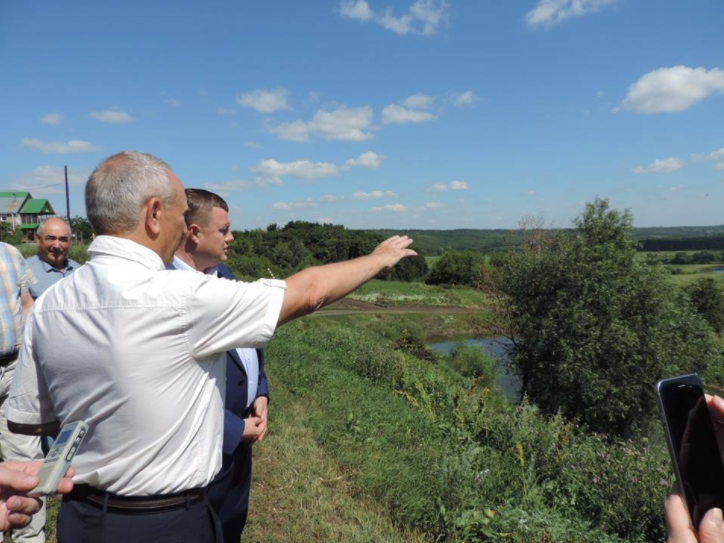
(38, 206)
(17, 193)
(28, 226)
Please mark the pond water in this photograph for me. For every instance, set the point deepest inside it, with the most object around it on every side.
(497, 348)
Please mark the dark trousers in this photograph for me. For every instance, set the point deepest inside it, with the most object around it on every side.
(83, 522)
(229, 492)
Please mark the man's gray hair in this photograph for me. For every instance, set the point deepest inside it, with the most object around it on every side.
(118, 188)
(39, 229)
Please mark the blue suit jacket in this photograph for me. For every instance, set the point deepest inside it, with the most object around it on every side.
(237, 390)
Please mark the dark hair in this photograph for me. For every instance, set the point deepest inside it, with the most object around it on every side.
(200, 203)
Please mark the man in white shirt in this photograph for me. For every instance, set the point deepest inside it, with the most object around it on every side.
(138, 353)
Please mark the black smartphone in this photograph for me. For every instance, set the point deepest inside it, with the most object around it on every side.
(692, 444)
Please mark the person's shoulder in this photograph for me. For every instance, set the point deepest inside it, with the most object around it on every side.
(35, 259)
(12, 250)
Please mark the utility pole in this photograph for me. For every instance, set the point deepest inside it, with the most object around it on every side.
(67, 196)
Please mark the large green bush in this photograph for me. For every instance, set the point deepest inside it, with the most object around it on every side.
(593, 327)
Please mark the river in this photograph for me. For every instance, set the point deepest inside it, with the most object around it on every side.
(509, 384)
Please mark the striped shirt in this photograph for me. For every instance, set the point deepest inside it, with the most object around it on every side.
(15, 279)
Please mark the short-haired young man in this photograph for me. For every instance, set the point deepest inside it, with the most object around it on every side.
(204, 249)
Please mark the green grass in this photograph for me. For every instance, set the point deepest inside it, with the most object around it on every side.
(401, 293)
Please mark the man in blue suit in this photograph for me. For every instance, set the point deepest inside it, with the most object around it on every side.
(203, 249)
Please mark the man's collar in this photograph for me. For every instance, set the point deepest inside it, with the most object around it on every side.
(126, 249)
(47, 266)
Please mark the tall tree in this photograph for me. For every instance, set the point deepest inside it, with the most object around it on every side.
(592, 326)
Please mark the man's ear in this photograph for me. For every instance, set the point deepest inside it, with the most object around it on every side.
(193, 230)
(154, 209)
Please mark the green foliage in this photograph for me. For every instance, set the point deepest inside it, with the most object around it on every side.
(82, 229)
(447, 454)
(594, 327)
(8, 236)
(708, 300)
(471, 361)
(457, 268)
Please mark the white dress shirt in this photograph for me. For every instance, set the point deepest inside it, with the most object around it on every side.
(138, 353)
(248, 357)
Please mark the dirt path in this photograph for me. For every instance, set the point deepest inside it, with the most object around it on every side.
(347, 306)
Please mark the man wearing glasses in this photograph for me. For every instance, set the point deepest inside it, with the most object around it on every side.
(51, 263)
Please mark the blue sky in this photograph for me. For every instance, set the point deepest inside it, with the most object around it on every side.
(377, 113)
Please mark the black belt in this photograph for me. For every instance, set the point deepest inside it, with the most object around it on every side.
(140, 504)
(7, 359)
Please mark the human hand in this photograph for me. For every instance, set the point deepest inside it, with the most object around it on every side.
(253, 426)
(711, 528)
(393, 249)
(17, 478)
(261, 405)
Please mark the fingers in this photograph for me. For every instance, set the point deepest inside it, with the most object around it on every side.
(677, 521)
(23, 505)
(13, 476)
(711, 529)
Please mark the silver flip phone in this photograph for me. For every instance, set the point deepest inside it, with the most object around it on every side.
(59, 458)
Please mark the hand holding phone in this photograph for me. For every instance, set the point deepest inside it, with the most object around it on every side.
(692, 438)
(59, 457)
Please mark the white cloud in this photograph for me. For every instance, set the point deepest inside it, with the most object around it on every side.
(112, 116)
(286, 206)
(531, 192)
(600, 94)
(264, 101)
(676, 188)
(463, 99)
(49, 179)
(434, 205)
(175, 102)
(369, 159)
(374, 195)
(665, 165)
(252, 144)
(72, 146)
(324, 220)
(439, 187)
(51, 118)
(419, 101)
(301, 169)
(458, 185)
(356, 9)
(230, 186)
(423, 17)
(341, 124)
(672, 89)
(226, 111)
(394, 114)
(329, 198)
(395, 208)
(718, 158)
(552, 12)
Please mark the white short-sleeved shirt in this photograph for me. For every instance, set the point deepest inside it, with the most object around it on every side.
(138, 353)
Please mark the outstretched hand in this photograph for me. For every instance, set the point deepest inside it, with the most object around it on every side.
(393, 249)
(17, 478)
(711, 528)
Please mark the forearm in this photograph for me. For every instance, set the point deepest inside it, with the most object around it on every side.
(316, 287)
(26, 303)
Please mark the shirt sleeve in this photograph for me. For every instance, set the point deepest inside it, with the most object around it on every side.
(224, 314)
(29, 402)
(25, 274)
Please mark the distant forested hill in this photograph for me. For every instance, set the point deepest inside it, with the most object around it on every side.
(666, 238)
(435, 242)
